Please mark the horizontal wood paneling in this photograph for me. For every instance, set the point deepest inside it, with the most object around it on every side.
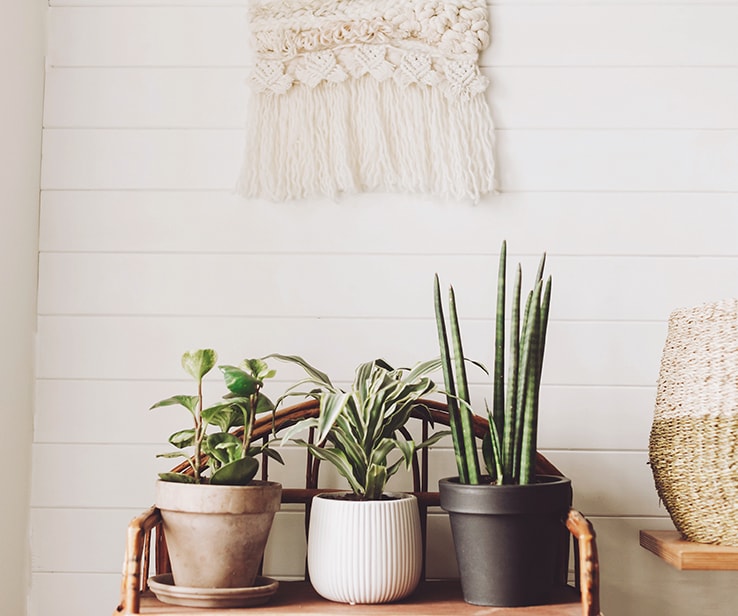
(580, 224)
(176, 36)
(78, 594)
(145, 98)
(59, 535)
(591, 353)
(122, 476)
(576, 97)
(617, 148)
(618, 288)
(103, 476)
(529, 160)
(153, 159)
(85, 411)
(523, 35)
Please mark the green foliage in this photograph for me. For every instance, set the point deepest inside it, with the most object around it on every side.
(358, 429)
(509, 449)
(230, 459)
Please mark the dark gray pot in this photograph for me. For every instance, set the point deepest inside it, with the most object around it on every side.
(510, 540)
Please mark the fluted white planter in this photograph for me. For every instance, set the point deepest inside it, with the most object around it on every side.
(364, 551)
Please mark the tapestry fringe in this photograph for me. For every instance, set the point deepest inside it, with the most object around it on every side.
(366, 135)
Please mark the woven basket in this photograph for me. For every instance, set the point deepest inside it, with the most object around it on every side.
(693, 448)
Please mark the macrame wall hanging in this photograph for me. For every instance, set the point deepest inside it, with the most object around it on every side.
(366, 96)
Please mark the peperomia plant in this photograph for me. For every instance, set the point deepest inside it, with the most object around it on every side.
(509, 449)
(358, 429)
(231, 459)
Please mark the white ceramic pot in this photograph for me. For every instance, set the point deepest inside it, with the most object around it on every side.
(364, 551)
(216, 534)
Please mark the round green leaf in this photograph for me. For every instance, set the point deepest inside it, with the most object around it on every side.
(237, 473)
(239, 382)
(199, 362)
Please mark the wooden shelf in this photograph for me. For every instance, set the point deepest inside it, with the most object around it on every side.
(687, 555)
(440, 598)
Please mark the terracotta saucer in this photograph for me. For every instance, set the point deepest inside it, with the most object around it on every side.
(165, 590)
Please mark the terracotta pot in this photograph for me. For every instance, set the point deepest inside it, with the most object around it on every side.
(216, 534)
(510, 540)
(364, 551)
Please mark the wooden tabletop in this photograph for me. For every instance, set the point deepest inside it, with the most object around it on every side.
(687, 555)
(439, 598)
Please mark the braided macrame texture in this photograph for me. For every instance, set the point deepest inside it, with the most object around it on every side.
(368, 95)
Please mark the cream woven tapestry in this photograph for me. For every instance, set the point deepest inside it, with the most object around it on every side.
(368, 95)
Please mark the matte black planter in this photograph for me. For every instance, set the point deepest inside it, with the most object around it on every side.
(510, 540)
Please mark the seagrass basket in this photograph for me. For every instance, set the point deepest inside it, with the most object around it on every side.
(693, 448)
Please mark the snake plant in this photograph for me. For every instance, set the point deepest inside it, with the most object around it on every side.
(358, 428)
(231, 459)
(509, 447)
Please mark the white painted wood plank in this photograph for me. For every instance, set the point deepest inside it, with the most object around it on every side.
(362, 286)
(74, 594)
(84, 411)
(79, 411)
(623, 160)
(59, 535)
(561, 223)
(103, 476)
(143, 159)
(95, 476)
(609, 483)
(595, 418)
(614, 97)
(148, 36)
(522, 35)
(585, 34)
(591, 353)
(575, 97)
(145, 98)
(529, 160)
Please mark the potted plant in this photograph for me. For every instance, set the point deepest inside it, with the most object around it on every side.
(216, 516)
(364, 546)
(506, 524)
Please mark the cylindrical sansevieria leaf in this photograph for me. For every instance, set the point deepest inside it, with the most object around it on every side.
(498, 401)
(530, 412)
(512, 379)
(448, 379)
(545, 305)
(462, 387)
(524, 359)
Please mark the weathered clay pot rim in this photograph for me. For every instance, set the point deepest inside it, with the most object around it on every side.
(257, 496)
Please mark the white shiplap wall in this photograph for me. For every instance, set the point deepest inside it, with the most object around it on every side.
(617, 149)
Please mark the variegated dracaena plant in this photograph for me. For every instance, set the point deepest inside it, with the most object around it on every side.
(358, 429)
